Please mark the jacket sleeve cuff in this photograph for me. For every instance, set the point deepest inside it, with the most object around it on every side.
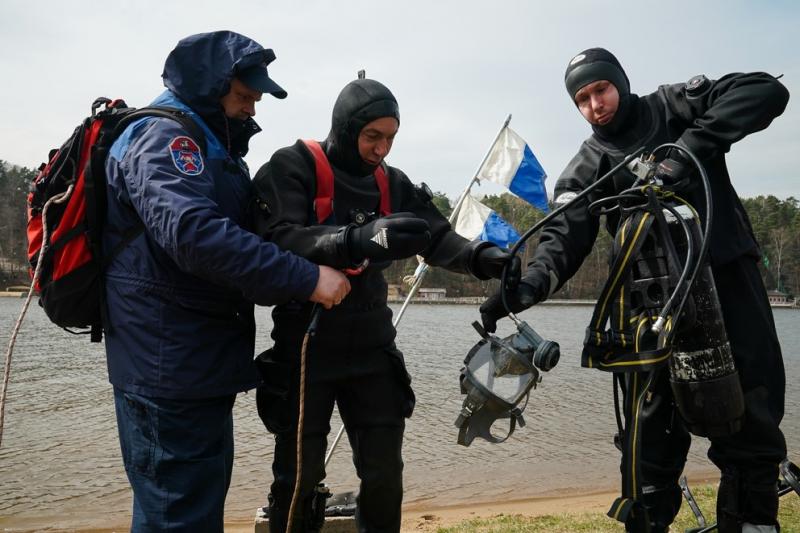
(309, 283)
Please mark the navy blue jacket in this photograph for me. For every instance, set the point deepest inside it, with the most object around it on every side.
(180, 295)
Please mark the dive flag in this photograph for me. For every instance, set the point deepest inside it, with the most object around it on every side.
(511, 163)
(477, 221)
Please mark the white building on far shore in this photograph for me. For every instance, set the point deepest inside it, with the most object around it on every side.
(431, 294)
(780, 299)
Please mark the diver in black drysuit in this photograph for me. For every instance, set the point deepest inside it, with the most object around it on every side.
(706, 116)
(352, 360)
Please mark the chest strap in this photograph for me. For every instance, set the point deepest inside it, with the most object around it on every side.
(323, 200)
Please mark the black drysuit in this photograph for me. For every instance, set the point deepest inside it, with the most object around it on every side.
(706, 117)
(352, 360)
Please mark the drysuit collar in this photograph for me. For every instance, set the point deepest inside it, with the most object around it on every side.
(199, 72)
(623, 118)
(359, 103)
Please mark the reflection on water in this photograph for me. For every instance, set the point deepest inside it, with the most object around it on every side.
(60, 465)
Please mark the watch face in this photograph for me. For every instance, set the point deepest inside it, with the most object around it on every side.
(361, 217)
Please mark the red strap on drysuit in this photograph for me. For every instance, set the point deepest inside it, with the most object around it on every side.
(323, 201)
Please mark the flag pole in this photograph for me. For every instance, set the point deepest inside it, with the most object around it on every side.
(423, 267)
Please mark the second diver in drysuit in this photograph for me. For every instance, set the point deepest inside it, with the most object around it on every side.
(705, 116)
(375, 214)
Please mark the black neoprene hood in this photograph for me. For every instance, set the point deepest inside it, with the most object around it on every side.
(360, 102)
(593, 65)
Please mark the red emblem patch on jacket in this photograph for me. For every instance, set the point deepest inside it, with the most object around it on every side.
(186, 155)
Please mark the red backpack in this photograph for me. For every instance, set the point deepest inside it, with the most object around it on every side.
(65, 254)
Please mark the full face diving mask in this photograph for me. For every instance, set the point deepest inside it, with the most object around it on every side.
(497, 375)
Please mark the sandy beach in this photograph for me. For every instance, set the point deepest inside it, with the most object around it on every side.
(427, 519)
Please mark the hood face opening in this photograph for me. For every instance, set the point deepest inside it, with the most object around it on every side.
(360, 102)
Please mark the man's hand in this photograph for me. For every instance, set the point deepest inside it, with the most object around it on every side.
(395, 236)
(332, 287)
(490, 261)
(519, 299)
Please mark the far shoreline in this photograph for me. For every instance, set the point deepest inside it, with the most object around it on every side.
(461, 300)
(477, 300)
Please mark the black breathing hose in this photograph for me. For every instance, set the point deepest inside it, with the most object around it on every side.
(704, 243)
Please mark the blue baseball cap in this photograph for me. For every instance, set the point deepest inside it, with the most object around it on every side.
(257, 78)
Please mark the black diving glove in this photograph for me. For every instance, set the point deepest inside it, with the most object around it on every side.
(490, 261)
(395, 236)
(675, 171)
(524, 296)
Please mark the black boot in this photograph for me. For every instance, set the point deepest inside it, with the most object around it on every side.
(661, 505)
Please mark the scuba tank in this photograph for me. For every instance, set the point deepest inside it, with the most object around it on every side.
(703, 376)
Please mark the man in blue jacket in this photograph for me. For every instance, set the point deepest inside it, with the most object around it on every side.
(180, 332)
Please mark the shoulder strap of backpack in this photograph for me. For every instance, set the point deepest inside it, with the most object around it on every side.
(323, 199)
(95, 178)
(185, 120)
(95, 185)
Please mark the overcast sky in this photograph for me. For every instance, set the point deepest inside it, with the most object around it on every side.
(457, 69)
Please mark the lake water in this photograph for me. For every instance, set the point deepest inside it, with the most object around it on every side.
(60, 464)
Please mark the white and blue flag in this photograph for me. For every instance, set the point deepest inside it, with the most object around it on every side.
(477, 221)
(511, 163)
